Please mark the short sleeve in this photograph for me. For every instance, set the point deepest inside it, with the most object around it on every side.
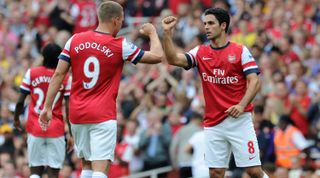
(191, 57)
(131, 52)
(248, 63)
(65, 54)
(26, 82)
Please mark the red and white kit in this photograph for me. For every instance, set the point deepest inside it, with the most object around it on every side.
(223, 73)
(36, 82)
(96, 62)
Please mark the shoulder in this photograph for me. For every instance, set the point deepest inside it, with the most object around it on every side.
(120, 39)
(235, 45)
(204, 46)
(37, 69)
(81, 35)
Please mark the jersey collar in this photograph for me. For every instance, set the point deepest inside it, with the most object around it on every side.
(220, 47)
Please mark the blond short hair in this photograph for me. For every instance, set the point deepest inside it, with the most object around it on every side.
(108, 10)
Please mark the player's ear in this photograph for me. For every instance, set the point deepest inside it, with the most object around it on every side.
(114, 21)
(223, 25)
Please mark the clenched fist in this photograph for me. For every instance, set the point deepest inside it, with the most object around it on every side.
(147, 29)
(169, 22)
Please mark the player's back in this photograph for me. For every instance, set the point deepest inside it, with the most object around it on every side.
(36, 82)
(96, 62)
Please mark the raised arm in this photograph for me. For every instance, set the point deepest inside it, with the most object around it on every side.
(173, 58)
(155, 54)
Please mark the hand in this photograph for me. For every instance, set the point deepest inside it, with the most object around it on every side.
(147, 29)
(17, 125)
(235, 110)
(168, 23)
(45, 118)
(70, 143)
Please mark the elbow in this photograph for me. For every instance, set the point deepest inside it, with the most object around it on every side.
(158, 59)
(171, 62)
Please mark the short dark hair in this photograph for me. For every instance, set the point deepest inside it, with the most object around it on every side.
(108, 10)
(50, 55)
(221, 15)
(286, 119)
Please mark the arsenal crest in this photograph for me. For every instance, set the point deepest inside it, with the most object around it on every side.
(232, 58)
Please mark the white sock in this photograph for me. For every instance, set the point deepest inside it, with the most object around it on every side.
(86, 174)
(265, 175)
(99, 175)
(34, 176)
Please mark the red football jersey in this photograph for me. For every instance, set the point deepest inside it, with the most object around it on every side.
(96, 61)
(223, 73)
(36, 82)
(85, 16)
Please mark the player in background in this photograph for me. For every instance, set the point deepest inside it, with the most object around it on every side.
(97, 59)
(45, 148)
(84, 14)
(230, 81)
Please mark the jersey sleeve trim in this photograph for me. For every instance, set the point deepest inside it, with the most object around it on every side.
(248, 62)
(66, 93)
(65, 58)
(24, 90)
(253, 70)
(192, 62)
(26, 81)
(65, 54)
(138, 57)
(189, 62)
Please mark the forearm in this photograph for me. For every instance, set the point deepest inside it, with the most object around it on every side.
(67, 114)
(19, 106)
(169, 47)
(252, 90)
(18, 110)
(53, 89)
(155, 45)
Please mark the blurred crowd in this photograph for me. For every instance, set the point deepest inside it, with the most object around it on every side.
(160, 106)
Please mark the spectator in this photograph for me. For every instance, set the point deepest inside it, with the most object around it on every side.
(59, 15)
(289, 143)
(196, 147)
(154, 141)
(297, 107)
(180, 159)
(265, 139)
(132, 138)
(83, 13)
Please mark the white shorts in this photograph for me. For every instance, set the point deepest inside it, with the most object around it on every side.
(44, 151)
(236, 135)
(95, 141)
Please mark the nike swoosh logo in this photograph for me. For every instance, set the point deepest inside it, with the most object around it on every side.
(206, 58)
(250, 158)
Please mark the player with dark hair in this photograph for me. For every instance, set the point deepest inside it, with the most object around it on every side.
(230, 81)
(45, 148)
(96, 59)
